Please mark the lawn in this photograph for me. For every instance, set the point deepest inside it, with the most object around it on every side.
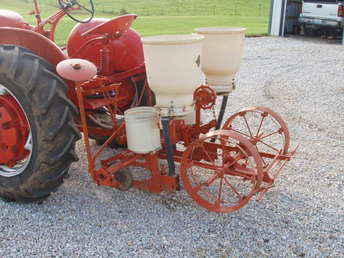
(165, 16)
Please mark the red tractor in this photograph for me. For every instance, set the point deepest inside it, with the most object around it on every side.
(43, 113)
(39, 110)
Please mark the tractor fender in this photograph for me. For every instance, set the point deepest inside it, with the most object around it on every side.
(34, 42)
(12, 19)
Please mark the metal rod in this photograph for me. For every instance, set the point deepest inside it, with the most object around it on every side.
(222, 112)
(37, 12)
(169, 147)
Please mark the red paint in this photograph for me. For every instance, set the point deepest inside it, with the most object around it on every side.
(110, 44)
(13, 131)
(33, 41)
(12, 19)
(115, 27)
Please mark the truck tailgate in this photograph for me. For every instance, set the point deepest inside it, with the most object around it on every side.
(320, 9)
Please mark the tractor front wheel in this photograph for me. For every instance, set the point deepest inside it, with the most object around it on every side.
(37, 135)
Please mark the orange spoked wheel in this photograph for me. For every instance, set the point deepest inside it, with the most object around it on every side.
(267, 131)
(222, 171)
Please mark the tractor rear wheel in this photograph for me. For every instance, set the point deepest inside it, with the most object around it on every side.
(37, 134)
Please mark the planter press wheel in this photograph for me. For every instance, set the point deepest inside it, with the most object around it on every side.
(222, 171)
(265, 129)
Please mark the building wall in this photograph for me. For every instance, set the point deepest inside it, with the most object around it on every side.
(277, 17)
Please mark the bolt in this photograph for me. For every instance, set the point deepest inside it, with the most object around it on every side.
(77, 66)
(6, 125)
(15, 149)
(265, 114)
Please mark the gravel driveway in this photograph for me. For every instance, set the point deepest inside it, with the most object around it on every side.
(302, 216)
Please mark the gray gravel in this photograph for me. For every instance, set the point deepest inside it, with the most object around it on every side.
(302, 216)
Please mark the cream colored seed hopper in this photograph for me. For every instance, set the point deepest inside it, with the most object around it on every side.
(222, 52)
(173, 71)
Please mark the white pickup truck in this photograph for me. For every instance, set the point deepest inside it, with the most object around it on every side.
(320, 15)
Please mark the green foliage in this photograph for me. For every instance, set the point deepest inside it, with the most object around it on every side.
(164, 16)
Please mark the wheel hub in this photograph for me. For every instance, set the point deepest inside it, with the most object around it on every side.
(15, 135)
(220, 173)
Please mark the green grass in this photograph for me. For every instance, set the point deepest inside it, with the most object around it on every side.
(165, 16)
(178, 7)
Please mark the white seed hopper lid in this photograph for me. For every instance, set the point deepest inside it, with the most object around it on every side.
(219, 30)
(172, 39)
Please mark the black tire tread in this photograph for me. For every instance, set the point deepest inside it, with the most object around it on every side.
(56, 132)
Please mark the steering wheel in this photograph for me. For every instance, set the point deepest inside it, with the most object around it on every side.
(68, 5)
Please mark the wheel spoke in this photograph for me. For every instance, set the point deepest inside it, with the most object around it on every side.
(268, 135)
(248, 127)
(243, 171)
(240, 132)
(212, 179)
(236, 159)
(219, 195)
(260, 125)
(265, 164)
(269, 146)
(246, 162)
(232, 188)
(211, 160)
(208, 183)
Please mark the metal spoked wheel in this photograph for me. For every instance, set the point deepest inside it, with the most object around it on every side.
(15, 135)
(265, 129)
(222, 171)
